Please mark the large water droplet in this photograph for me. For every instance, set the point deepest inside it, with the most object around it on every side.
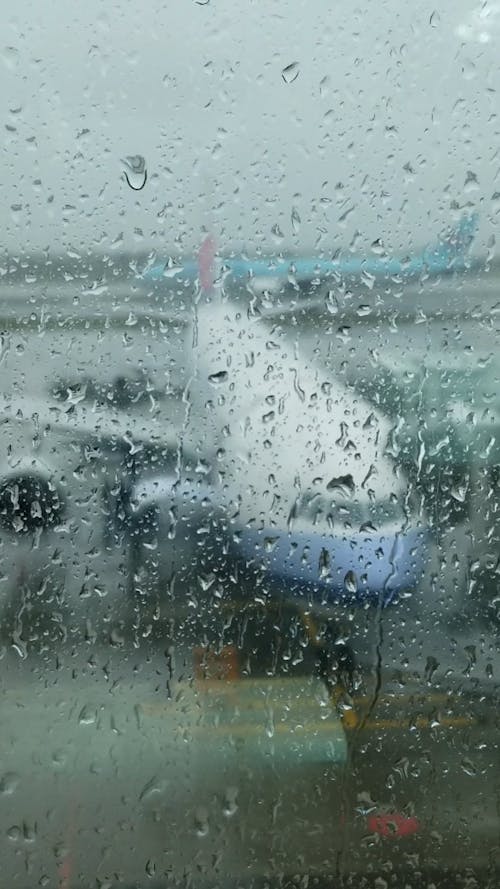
(344, 484)
(363, 310)
(291, 72)
(270, 544)
(87, 716)
(351, 582)
(135, 171)
(217, 378)
(459, 491)
(367, 528)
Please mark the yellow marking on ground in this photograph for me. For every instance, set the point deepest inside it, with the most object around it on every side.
(354, 721)
(210, 706)
(350, 720)
(250, 729)
(420, 697)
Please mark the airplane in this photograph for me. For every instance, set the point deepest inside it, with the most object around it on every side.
(345, 530)
(448, 254)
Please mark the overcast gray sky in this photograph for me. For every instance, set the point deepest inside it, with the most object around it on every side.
(390, 119)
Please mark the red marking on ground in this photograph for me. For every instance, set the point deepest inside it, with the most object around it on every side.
(65, 869)
(393, 825)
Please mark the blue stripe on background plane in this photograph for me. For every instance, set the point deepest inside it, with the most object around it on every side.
(448, 254)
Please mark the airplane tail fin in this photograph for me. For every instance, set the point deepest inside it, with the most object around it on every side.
(206, 264)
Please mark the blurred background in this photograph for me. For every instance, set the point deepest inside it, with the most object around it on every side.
(249, 445)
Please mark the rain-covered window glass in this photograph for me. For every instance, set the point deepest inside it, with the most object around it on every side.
(250, 444)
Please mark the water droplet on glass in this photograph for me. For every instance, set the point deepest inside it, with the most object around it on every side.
(291, 72)
(152, 788)
(351, 582)
(367, 279)
(9, 783)
(219, 377)
(206, 581)
(277, 234)
(377, 247)
(363, 310)
(270, 544)
(430, 667)
(344, 484)
(331, 303)
(11, 57)
(14, 833)
(29, 832)
(368, 528)
(201, 822)
(270, 724)
(87, 716)
(295, 220)
(324, 563)
(469, 70)
(59, 758)
(230, 805)
(324, 87)
(459, 492)
(471, 181)
(470, 651)
(172, 268)
(468, 767)
(135, 171)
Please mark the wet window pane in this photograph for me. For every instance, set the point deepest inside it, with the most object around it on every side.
(249, 445)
